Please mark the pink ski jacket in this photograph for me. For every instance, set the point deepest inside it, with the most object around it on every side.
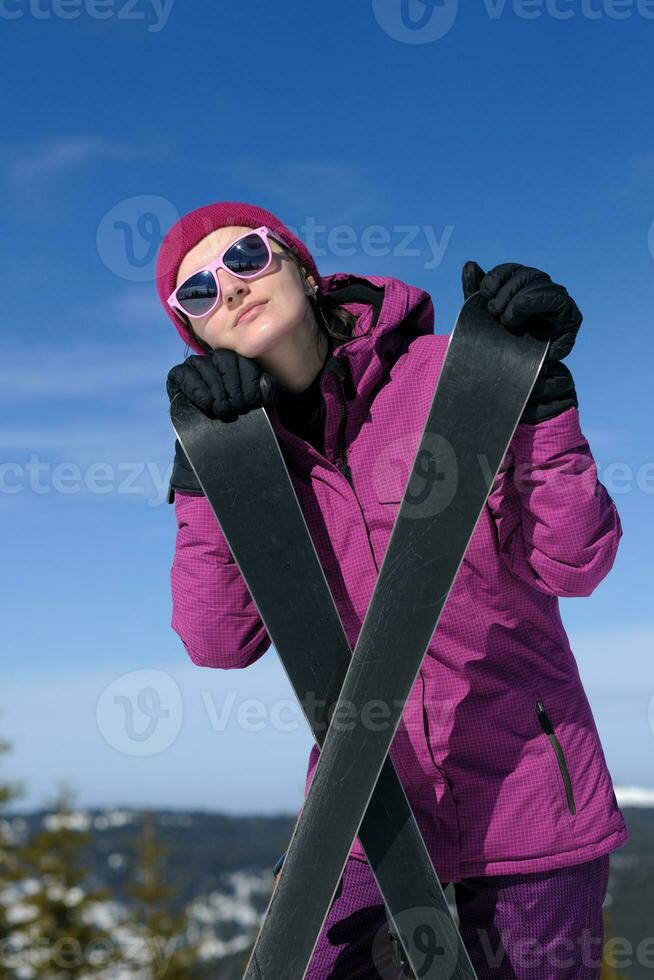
(497, 748)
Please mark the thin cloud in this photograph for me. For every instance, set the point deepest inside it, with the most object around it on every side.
(82, 371)
(142, 308)
(53, 157)
(131, 463)
(80, 441)
(600, 438)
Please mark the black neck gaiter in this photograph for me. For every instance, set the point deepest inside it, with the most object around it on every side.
(303, 413)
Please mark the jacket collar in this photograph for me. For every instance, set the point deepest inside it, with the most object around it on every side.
(387, 310)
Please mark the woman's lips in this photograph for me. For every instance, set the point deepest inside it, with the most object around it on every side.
(251, 313)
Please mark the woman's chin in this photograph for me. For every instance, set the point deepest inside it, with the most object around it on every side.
(260, 338)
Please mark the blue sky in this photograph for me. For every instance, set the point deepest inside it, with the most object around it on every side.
(518, 132)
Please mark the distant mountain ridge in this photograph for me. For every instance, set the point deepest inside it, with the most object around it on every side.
(634, 796)
(223, 868)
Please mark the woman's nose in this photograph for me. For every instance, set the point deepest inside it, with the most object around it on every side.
(230, 285)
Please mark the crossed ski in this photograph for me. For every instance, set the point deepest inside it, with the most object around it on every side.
(426, 547)
(242, 471)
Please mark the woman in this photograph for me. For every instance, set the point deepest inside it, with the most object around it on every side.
(497, 748)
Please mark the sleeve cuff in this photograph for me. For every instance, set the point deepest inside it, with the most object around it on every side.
(543, 440)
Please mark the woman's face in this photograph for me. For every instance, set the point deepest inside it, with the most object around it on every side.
(280, 289)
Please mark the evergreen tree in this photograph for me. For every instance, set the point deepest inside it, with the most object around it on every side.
(608, 971)
(61, 940)
(167, 952)
(9, 872)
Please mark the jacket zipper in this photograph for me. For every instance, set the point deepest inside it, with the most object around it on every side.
(345, 469)
(342, 462)
(341, 454)
(548, 728)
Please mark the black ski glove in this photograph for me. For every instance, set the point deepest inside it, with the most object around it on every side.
(182, 477)
(223, 385)
(518, 294)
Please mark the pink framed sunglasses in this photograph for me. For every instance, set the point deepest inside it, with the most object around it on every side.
(246, 258)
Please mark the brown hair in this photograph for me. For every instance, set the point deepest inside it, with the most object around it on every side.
(336, 322)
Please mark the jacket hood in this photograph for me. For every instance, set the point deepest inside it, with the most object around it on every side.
(381, 303)
(386, 308)
(388, 313)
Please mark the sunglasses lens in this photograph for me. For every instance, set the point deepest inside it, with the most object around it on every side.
(247, 256)
(198, 294)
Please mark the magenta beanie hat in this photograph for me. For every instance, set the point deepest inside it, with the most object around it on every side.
(196, 225)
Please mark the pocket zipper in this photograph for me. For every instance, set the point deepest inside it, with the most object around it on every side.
(548, 728)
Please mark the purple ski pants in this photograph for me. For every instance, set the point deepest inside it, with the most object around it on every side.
(540, 926)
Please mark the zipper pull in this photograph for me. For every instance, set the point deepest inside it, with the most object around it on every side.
(340, 366)
(345, 470)
(546, 724)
